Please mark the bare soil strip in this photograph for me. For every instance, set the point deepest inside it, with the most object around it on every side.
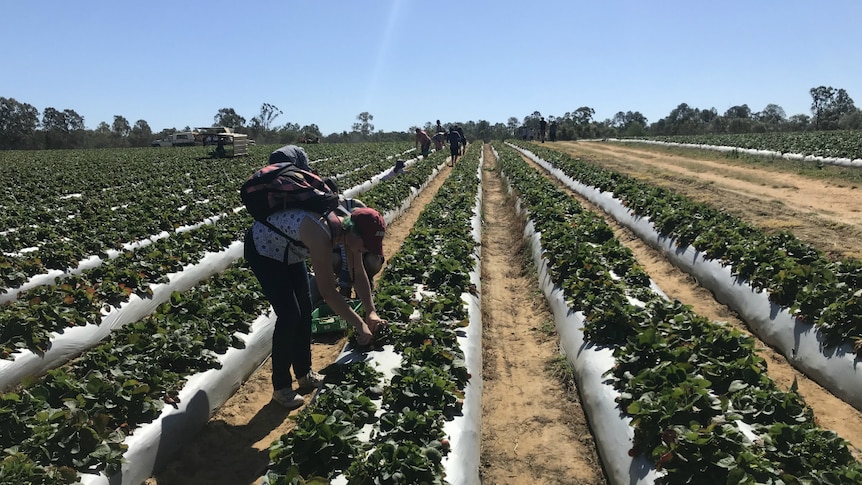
(533, 430)
(830, 411)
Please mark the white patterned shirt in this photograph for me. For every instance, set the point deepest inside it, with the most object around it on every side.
(273, 245)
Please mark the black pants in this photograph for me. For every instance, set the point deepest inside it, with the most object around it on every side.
(286, 288)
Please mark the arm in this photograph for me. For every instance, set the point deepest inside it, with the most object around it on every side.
(363, 289)
(320, 247)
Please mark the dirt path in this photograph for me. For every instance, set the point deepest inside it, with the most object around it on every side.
(825, 212)
(232, 449)
(831, 412)
(533, 430)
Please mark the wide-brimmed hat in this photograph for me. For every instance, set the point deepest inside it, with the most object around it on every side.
(372, 228)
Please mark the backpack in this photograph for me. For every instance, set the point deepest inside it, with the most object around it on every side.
(284, 185)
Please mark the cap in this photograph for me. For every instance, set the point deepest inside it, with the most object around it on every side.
(371, 227)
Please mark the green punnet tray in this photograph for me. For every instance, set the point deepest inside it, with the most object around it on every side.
(324, 320)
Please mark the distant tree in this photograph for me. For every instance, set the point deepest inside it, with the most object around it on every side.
(18, 123)
(738, 112)
(140, 135)
(512, 126)
(738, 119)
(63, 129)
(582, 118)
(798, 122)
(820, 99)
(310, 133)
(629, 123)
(229, 118)
(852, 121)
(772, 117)
(364, 126)
(101, 136)
(828, 105)
(481, 131)
(120, 127)
(260, 126)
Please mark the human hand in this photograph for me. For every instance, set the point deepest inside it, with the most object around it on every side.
(364, 336)
(374, 321)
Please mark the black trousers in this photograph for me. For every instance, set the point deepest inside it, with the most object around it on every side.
(286, 288)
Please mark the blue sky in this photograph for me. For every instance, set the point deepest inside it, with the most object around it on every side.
(175, 64)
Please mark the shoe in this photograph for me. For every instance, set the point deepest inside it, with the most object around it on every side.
(310, 380)
(288, 398)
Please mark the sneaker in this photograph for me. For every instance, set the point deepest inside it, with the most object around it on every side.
(310, 380)
(288, 398)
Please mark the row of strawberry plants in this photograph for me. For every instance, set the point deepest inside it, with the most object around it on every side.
(98, 440)
(46, 230)
(75, 418)
(698, 397)
(846, 144)
(366, 428)
(31, 321)
(795, 275)
(28, 322)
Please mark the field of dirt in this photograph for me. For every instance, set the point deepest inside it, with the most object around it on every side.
(533, 428)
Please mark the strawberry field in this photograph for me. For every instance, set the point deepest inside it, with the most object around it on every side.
(129, 317)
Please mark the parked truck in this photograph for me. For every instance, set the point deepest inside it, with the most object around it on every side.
(182, 139)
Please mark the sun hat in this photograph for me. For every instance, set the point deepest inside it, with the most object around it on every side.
(371, 227)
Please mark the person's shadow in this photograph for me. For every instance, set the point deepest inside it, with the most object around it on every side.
(232, 447)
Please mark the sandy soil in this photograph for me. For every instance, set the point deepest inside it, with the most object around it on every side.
(533, 429)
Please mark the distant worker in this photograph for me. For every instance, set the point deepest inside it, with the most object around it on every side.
(463, 139)
(543, 127)
(439, 139)
(439, 128)
(220, 152)
(397, 170)
(454, 139)
(424, 140)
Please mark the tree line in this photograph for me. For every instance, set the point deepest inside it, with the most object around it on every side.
(21, 126)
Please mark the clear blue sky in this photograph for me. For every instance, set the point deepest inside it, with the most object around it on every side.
(176, 63)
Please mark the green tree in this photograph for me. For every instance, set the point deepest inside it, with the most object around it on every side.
(311, 132)
(629, 123)
(828, 105)
(120, 127)
(512, 126)
(18, 123)
(63, 129)
(229, 118)
(260, 126)
(364, 126)
(738, 119)
(140, 135)
(772, 117)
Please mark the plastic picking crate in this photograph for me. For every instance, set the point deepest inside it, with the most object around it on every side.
(324, 320)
